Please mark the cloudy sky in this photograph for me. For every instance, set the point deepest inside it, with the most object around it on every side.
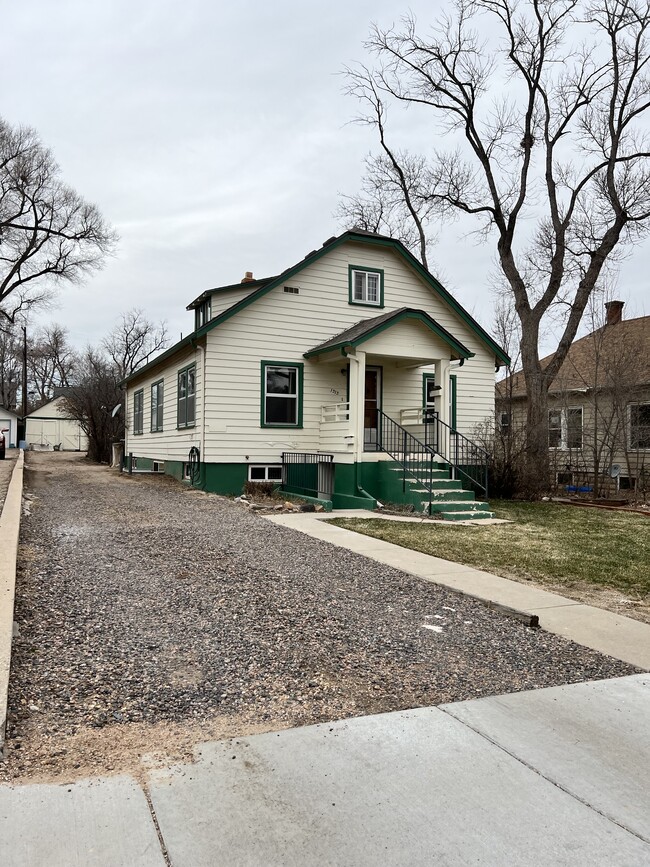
(215, 137)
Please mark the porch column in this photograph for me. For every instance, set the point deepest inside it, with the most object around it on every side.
(357, 398)
(442, 379)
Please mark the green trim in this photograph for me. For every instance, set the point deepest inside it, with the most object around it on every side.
(453, 400)
(301, 370)
(379, 271)
(187, 425)
(137, 433)
(442, 333)
(391, 243)
(425, 377)
(159, 404)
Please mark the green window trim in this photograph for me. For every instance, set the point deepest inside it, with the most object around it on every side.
(157, 405)
(138, 412)
(186, 400)
(363, 269)
(299, 366)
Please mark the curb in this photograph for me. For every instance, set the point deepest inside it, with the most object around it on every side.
(9, 533)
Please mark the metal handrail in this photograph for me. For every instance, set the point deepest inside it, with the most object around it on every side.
(407, 450)
(466, 458)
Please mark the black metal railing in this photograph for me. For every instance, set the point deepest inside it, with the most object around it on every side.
(415, 457)
(468, 461)
(308, 473)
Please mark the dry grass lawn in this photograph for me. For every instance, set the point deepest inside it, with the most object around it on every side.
(548, 543)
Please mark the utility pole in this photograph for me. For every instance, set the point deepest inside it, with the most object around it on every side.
(24, 327)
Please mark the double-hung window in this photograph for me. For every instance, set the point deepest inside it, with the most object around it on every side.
(186, 397)
(281, 394)
(565, 428)
(138, 411)
(366, 286)
(640, 426)
(157, 393)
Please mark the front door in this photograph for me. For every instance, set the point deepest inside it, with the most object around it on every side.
(372, 403)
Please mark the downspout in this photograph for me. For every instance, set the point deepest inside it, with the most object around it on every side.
(357, 461)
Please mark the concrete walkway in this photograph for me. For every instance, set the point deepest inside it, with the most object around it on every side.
(609, 633)
(556, 776)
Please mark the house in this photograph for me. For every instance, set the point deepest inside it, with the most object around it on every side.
(9, 420)
(598, 409)
(353, 376)
(49, 427)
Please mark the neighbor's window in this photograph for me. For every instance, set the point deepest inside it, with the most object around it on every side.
(157, 405)
(366, 286)
(565, 428)
(504, 423)
(640, 426)
(138, 411)
(555, 428)
(281, 394)
(186, 397)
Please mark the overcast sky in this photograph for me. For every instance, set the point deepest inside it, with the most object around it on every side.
(215, 137)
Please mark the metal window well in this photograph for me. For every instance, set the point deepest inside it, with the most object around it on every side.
(308, 473)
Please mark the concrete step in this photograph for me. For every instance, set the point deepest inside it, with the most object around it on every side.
(464, 516)
(459, 505)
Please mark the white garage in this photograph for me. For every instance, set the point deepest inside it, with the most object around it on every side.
(9, 420)
(49, 428)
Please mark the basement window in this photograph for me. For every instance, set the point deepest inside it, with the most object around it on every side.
(265, 473)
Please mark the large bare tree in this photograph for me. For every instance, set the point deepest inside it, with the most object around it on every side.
(51, 361)
(133, 341)
(48, 233)
(543, 104)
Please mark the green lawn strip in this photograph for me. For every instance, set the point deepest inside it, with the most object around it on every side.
(546, 542)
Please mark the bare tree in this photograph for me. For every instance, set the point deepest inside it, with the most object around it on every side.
(92, 400)
(10, 366)
(48, 233)
(51, 361)
(548, 151)
(392, 199)
(133, 341)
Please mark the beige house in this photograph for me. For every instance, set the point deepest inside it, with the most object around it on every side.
(49, 428)
(599, 409)
(345, 377)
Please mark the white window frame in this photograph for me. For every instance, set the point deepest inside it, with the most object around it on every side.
(564, 428)
(630, 445)
(361, 293)
(266, 468)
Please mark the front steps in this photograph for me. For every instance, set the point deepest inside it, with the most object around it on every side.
(449, 500)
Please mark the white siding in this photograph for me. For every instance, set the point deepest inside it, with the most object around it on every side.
(170, 443)
(281, 327)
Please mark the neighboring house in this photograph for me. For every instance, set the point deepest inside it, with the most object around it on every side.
(48, 427)
(598, 408)
(9, 419)
(319, 377)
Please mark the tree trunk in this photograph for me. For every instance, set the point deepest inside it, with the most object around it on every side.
(537, 471)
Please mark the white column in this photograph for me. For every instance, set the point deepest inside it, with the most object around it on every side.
(357, 398)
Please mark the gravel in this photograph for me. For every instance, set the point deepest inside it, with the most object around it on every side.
(142, 603)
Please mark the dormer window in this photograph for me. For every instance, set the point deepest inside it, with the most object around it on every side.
(366, 286)
(203, 314)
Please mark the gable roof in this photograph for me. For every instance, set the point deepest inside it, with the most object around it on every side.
(354, 235)
(367, 328)
(252, 284)
(619, 352)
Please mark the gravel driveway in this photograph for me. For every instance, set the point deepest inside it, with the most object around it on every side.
(152, 616)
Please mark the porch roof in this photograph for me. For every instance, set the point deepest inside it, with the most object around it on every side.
(367, 328)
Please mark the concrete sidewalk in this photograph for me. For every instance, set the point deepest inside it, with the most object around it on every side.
(556, 776)
(609, 633)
